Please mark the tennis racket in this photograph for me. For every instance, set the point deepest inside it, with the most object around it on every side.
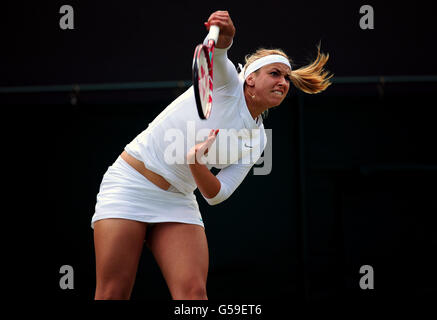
(202, 73)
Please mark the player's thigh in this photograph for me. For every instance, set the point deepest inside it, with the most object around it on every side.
(181, 251)
(118, 245)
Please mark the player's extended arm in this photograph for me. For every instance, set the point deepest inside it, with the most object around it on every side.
(207, 183)
(225, 73)
(214, 189)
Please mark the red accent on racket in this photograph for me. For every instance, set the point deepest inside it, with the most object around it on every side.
(202, 73)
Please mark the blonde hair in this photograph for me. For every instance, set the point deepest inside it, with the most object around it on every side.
(311, 78)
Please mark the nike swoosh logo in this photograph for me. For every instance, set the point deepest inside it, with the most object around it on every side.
(245, 144)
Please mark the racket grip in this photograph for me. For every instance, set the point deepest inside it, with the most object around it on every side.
(214, 33)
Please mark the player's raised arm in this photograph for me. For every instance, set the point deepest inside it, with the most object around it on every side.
(225, 73)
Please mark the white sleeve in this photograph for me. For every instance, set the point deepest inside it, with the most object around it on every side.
(230, 178)
(224, 71)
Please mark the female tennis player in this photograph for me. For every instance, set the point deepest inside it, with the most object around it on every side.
(147, 195)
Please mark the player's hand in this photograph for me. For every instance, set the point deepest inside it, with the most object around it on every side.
(197, 153)
(227, 29)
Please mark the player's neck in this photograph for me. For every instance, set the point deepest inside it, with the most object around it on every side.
(255, 108)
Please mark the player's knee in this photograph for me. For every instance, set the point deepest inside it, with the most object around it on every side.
(191, 290)
(111, 293)
(197, 293)
(113, 290)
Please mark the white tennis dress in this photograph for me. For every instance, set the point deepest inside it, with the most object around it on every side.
(163, 147)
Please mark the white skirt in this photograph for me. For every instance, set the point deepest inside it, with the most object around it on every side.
(125, 193)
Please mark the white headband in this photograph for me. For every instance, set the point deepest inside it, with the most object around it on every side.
(261, 62)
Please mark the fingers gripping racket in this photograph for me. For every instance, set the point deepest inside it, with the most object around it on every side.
(202, 73)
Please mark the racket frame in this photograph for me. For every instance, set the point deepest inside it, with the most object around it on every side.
(208, 52)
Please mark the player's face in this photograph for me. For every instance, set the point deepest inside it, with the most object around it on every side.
(272, 83)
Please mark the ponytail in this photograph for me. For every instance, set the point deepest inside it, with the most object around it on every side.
(312, 78)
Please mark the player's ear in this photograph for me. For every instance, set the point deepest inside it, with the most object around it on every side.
(250, 80)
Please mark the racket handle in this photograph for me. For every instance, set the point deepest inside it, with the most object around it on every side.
(213, 33)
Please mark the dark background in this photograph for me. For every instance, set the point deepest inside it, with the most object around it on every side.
(354, 168)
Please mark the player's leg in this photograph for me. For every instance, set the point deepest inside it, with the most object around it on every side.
(118, 245)
(181, 251)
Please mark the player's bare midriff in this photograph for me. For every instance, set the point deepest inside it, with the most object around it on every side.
(138, 165)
